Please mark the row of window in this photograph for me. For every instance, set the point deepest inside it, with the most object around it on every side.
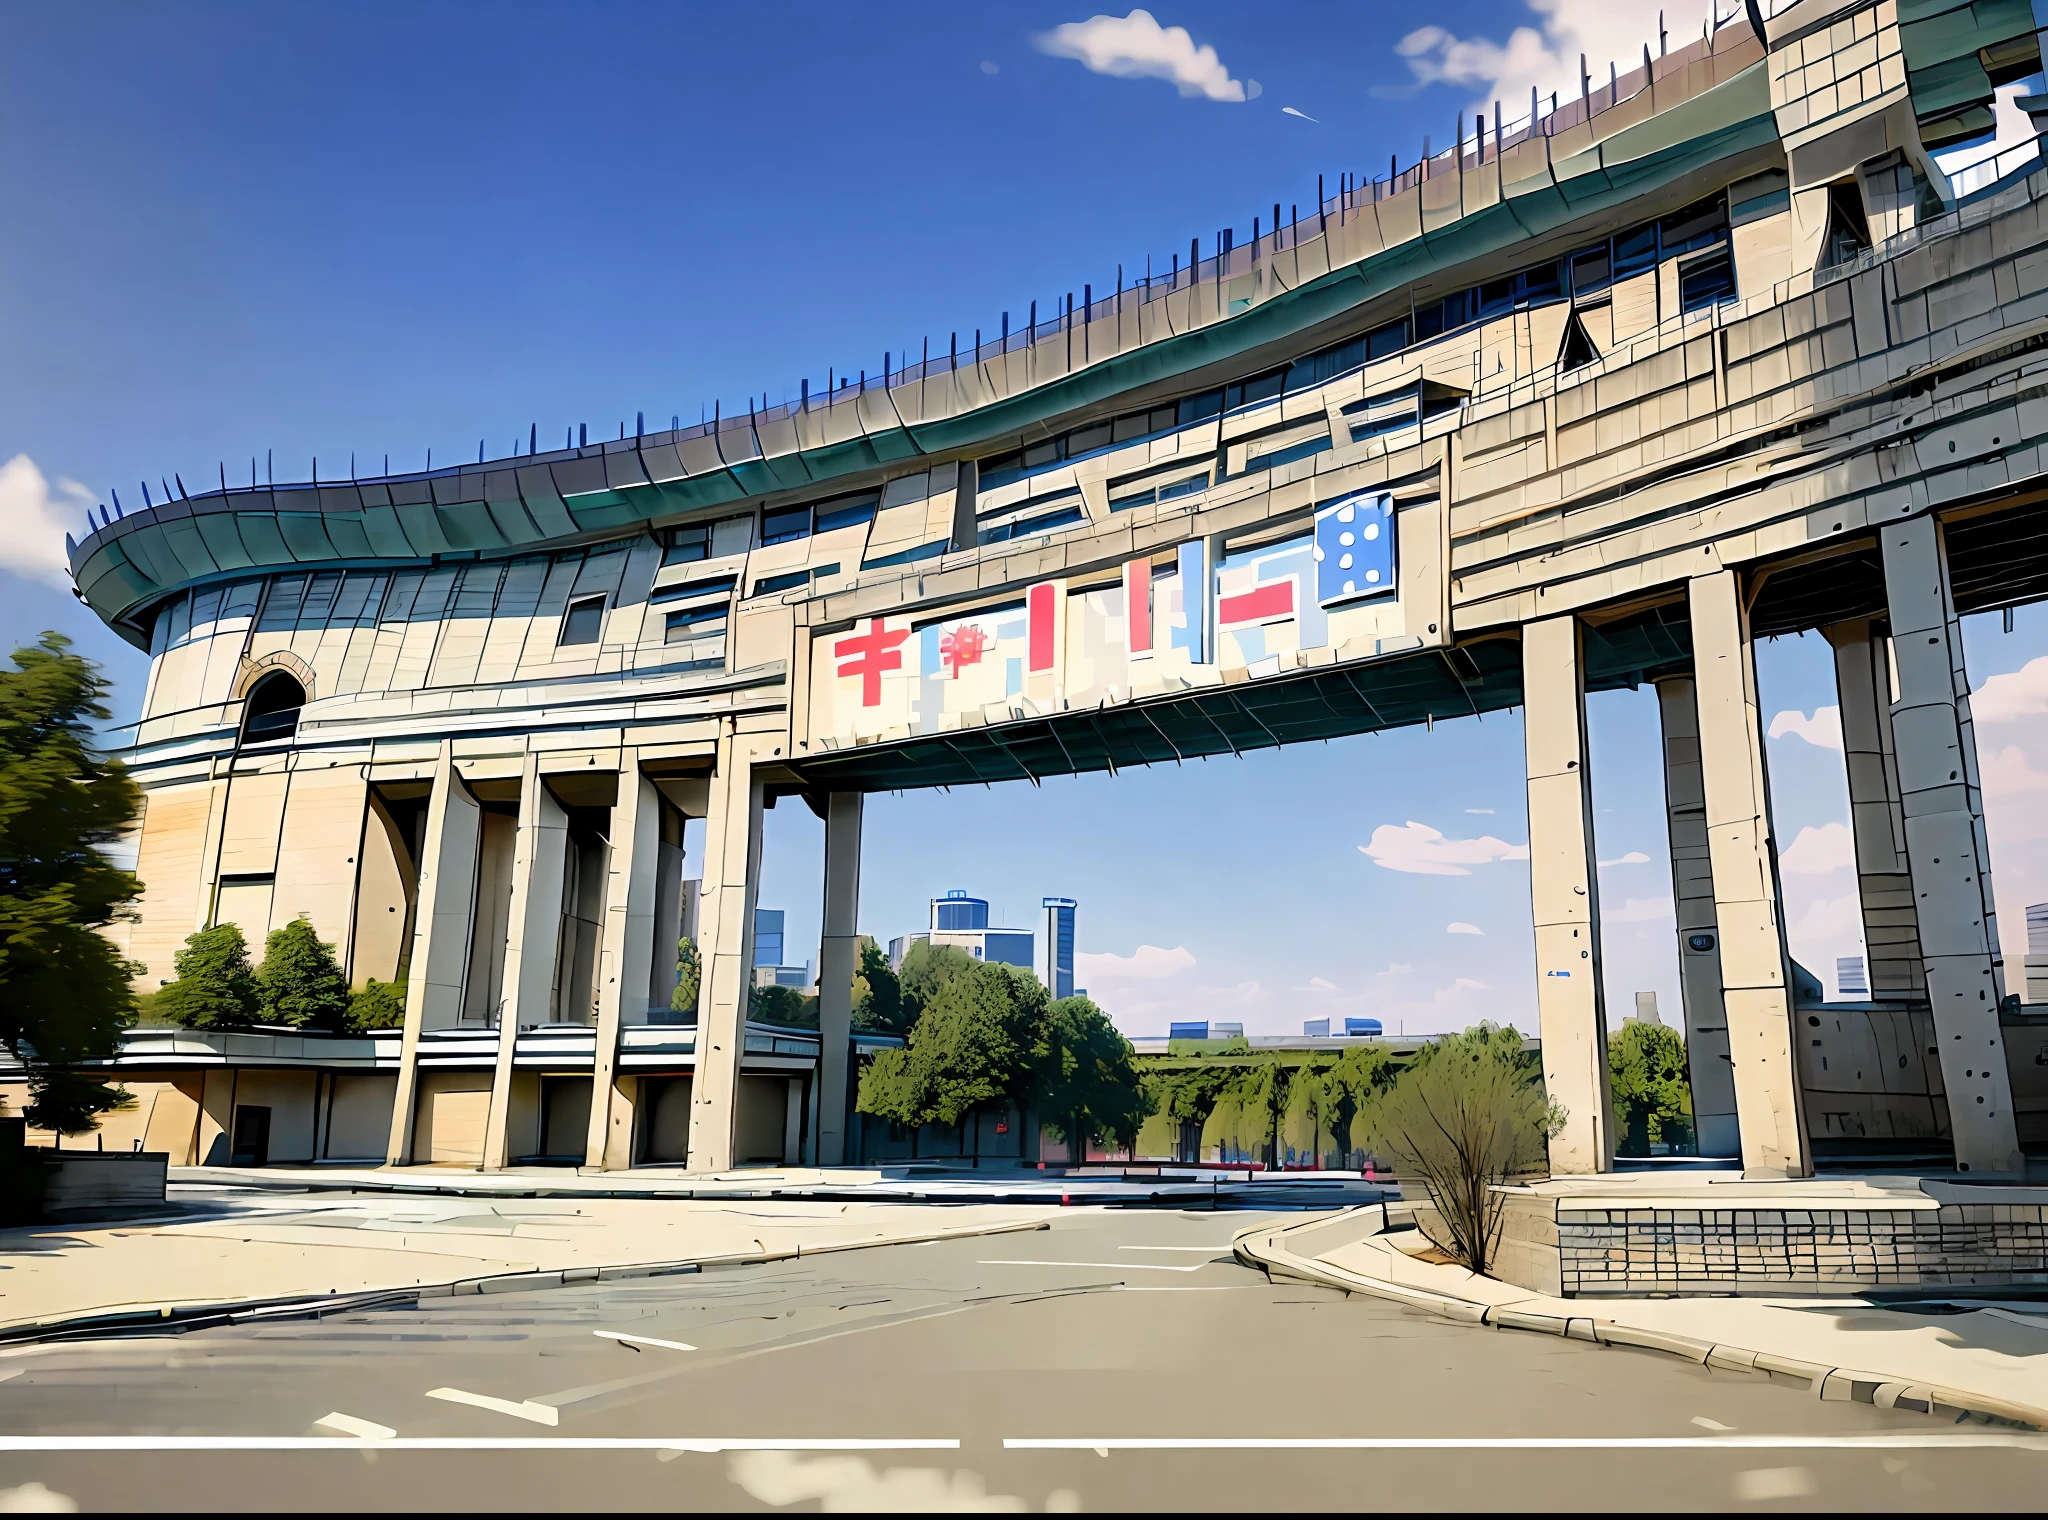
(1574, 276)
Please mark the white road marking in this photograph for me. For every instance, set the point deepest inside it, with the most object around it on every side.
(540, 1414)
(1706, 1424)
(2010, 1441)
(642, 1340)
(1099, 1266)
(349, 1425)
(472, 1443)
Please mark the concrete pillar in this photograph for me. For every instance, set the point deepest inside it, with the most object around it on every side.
(1755, 977)
(725, 920)
(624, 955)
(1877, 816)
(539, 861)
(1565, 892)
(1699, 944)
(838, 958)
(441, 924)
(1946, 846)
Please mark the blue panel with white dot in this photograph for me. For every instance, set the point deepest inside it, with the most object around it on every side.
(1355, 547)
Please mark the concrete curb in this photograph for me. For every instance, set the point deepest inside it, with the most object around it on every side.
(178, 1319)
(1260, 1246)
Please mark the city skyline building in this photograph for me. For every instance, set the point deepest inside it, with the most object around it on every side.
(1055, 959)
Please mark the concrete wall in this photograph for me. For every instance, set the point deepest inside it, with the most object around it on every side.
(358, 1120)
(449, 1114)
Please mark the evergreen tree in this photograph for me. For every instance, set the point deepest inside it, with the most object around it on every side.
(64, 988)
(877, 995)
(978, 1041)
(1087, 1084)
(782, 1005)
(300, 982)
(215, 988)
(1652, 1090)
(380, 1005)
(689, 976)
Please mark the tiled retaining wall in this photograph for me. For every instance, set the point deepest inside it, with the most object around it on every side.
(1794, 1250)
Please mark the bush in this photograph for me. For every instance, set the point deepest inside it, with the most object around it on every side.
(1467, 1114)
(300, 983)
(380, 1005)
(215, 988)
(782, 1005)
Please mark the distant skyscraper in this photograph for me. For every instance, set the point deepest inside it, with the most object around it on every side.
(1316, 1029)
(1852, 982)
(1056, 947)
(767, 936)
(962, 921)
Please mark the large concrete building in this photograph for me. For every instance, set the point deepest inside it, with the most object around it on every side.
(1709, 351)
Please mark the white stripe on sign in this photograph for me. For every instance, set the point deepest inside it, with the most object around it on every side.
(467, 1443)
(1098, 1266)
(540, 1414)
(349, 1425)
(1525, 1443)
(642, 1340)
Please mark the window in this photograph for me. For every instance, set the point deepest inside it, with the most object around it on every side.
(789, 580)
(693, 622)
(686, 545)
(1023, 527)
(1848, 233)
(1635, 250)
(784, 524)
(847, 511)
(931, 550)
(1288, 455)
(582, 623)
(1700, 225)
(708, 586)
(1706, 281)
(1591, 270)
(1145, 495)
(272, 710)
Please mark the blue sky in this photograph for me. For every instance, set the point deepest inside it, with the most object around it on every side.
(380, 229)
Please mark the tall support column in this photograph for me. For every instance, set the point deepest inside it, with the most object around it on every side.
(539, 861)
(1946, 846)
(625, 953)
(1699, 931)
(444, 912)
(1877, 816)
(725, 919)
(1755, 980)
(1564, 890)
(837, 960)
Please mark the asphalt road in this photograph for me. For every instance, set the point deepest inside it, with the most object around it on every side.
(1154, 1372)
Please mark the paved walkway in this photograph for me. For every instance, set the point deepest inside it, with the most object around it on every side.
(1974, 1353)
(223, 1246)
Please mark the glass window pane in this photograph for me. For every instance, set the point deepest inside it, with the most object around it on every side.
(583, 622)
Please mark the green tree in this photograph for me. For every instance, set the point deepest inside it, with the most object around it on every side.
(215, 988)
(782, 1005)
(64, 989)
(977, 1041)
(299, 982)
(1188, 1096)
(877, 994)
(1652, 1093)
(689, 976)
(380, 1005)
(927, 968)
(1250, 1107)
(1465, 1116)
(1086, 1082)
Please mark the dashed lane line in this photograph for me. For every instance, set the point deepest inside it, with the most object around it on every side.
(642, 1340)
(540, 1414)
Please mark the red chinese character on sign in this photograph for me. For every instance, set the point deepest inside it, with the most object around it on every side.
(868, 655)
(963, 646)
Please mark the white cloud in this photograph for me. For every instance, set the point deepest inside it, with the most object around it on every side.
(1148, 963)
(1418, 848)
(1463, 928)
(1484, 812)
(2021, 693)
(34, 520)
(2008, 772)
(1546, 56)
(1817, 851)
(1318, 984)
(1138, 47)
(1638, 910)
(1823, 730)
(1632, 858)
(1290, 111)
